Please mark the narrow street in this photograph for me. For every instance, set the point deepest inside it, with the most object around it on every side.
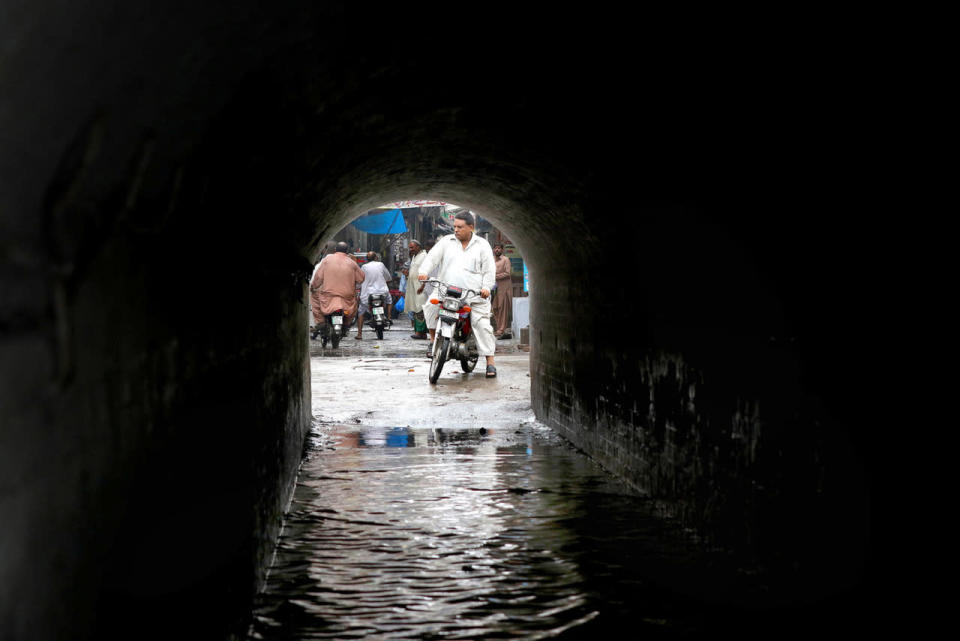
(384, 383)
(448, 512)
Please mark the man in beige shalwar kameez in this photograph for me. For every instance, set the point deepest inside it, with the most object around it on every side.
(503, 297)
(333, 286)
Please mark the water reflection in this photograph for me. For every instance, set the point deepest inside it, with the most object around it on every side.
(433, 533)
(386, 437)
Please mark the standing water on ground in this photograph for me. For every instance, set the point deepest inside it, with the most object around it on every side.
(399, 533)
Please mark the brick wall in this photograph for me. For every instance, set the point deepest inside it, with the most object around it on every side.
(673, 366)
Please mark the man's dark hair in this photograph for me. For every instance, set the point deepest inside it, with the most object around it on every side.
(371, 255)
(500, 245)
(343, 247)
(467, 217)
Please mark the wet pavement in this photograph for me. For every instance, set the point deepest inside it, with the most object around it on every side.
(384, 382)
(447, 512)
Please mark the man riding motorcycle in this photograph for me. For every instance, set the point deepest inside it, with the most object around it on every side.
(376, 281)
(333, 286)
(465, 260)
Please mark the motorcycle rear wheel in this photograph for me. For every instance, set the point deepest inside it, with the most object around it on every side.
(440, 347)
(380, 333)
(334, 337)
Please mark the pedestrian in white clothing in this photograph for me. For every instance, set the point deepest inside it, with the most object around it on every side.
(375, 282)
(428, 289)
(413, 301)
(465, 260)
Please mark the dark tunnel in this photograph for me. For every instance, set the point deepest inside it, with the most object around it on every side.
(169, 170)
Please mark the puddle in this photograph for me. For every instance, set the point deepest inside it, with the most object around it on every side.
(426, 533)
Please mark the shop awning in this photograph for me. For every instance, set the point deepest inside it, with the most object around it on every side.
(389, 222)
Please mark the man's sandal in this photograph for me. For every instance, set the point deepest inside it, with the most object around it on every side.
(491, 371)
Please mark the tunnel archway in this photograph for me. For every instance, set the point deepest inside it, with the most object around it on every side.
(181, 160)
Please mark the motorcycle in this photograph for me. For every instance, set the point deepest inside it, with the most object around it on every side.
(379, 319)
(454, 335)
(332, 330)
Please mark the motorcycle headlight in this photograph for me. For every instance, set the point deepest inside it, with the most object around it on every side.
(451, 304)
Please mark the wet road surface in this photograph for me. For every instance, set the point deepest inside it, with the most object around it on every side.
(384, 382)
(467, 519)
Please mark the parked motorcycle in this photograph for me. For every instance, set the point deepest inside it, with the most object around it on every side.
(379, 319)
(454, 335)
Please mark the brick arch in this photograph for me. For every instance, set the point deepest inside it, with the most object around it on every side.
(692, 310)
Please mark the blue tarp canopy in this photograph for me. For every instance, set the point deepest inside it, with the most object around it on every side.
(389, 222)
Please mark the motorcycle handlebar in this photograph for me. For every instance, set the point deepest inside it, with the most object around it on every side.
(466, 292)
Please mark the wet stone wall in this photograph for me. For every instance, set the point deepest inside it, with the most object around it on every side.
(154, 432)
(697, 404)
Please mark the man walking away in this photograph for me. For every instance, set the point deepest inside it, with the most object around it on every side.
(465, 260)
(333, 285)
(376, 282)
(503, 295)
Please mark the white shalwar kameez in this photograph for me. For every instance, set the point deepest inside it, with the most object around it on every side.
(470, 268)
(414, 301)
(377, 276)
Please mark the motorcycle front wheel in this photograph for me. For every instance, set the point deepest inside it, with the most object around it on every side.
(439, 356)
(470, 361)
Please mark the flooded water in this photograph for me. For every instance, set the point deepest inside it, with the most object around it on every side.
(400, 533)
